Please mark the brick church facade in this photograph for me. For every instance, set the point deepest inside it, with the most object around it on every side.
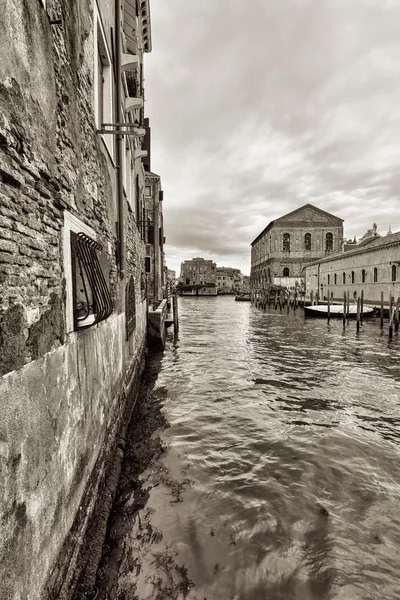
(282, 250)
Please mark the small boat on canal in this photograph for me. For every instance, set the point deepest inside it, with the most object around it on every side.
(243, 298)
(336, 311)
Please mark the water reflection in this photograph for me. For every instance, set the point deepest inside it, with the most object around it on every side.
(289, 433)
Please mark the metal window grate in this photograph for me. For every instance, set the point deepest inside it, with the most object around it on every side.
(92, 299)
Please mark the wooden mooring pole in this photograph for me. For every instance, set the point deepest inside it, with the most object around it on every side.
(381, 310)
(175, 311)
(344, 310)
(391, 316)
(396, 321)
(361, 306)
(329, 307)
(358, 314)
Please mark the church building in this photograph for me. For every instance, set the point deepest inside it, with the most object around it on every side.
(282, 250)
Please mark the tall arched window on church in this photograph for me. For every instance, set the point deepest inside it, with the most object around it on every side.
(329, 242)
(286, 242)
(394, 273)
(286, 272)
(307, 241)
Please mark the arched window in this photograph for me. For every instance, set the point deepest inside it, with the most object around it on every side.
(375, 275)
(286, 272)
(307, 241)
(286, 242)
(363, 275)
(329, 279)
(352, 277)
(130, 307)
(335, 278)
(329, 242)
(394, 272)
(344, 278)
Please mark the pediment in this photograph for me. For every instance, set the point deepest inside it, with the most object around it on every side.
(310, 214)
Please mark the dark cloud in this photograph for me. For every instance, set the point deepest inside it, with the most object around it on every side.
(259, 107)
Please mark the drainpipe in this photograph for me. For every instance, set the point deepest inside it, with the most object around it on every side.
(119, 142)
(156, 240)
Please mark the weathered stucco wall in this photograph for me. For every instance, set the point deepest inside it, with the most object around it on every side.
(382, 259)
(57, 414)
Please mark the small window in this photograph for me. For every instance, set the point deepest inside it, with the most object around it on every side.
(375, 275)
(344, 278)
(286, 242)
(130, 307)
(363, 275)
(91, 297)
(352, 277)
(147, 190)
(286, 272)
(394, 272)
(329, 242)
(150, 234)
(335, 278)
(329, 279)
(307, 241)
(147, 264)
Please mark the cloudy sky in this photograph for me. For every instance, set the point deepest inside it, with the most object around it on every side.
(259, 106)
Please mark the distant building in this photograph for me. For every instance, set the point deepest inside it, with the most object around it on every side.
(198, 277)
(368, 236)
(246, 283)
(198, 271)
(171, 275)
(228, 279)
(372, 266)
(282, 250)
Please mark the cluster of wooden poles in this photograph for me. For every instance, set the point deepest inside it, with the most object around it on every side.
(263, 299)
(394, 309)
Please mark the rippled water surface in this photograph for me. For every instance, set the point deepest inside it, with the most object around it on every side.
(288, 432)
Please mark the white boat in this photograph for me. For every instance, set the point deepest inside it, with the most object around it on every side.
(336, 311)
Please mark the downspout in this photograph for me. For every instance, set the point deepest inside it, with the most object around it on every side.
(119, 142)
(156, 234)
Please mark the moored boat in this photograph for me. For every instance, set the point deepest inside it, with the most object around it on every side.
(336, 311)
(243, 298)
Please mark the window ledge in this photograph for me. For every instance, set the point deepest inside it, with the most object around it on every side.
(90, 319)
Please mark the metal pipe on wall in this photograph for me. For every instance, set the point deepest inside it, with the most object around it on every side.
(119, 143)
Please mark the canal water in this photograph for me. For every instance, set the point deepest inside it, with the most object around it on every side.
(278, 476)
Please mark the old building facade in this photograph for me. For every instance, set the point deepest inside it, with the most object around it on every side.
(198, 277)
(154, 221)
(72, 274)
(229, 280)
(372, 267)
(281, 251)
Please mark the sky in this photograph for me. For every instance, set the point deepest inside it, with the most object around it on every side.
(260, 106)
